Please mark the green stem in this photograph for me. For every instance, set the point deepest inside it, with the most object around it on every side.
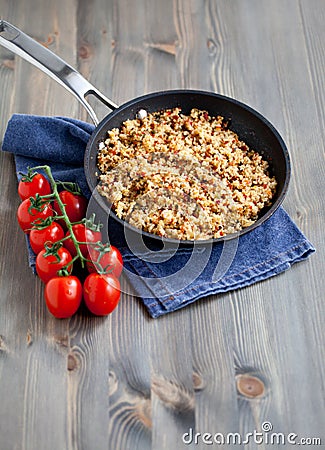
(49, 196)
(65, 217)
(70, 262)
(71, 187)
(65, 238)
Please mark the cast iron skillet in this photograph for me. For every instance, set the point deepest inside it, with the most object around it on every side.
(251, 127)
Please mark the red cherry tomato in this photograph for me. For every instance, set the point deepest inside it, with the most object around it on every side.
(82, 234)
(101, 293)
(38, 184)
(63, 296)
(112, 261)
(75, 205)
(26, 214)
(38, 237)
(47, 267)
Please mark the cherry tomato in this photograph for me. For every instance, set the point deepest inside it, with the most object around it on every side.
(111, 261)
(63, 296)
(75, 205)
(37, 238)
(47, 267)
(82, 234)
(38, 184)
(101, 293)
(26, 215)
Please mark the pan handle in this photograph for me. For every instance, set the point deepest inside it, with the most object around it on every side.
(19, 43)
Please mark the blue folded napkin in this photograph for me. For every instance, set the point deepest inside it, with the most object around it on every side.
(165, 279)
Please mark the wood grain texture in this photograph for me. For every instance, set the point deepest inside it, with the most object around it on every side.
(227, 363)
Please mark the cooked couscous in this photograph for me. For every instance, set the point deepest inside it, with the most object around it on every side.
(181, 176)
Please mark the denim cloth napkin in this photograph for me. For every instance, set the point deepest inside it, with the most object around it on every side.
(165, 279)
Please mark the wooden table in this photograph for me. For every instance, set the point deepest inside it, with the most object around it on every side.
(129, 381)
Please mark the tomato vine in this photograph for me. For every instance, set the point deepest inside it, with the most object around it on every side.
(53, 214)
(38, 202)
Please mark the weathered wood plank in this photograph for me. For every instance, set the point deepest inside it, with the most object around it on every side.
(260, 310)
(130, 409)
(7, 69)
(36, 372)
(210, 344)
(173, 400)
(216, 409)
(96, 50)
(55, 27)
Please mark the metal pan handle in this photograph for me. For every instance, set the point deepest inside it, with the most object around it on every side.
(26, 47)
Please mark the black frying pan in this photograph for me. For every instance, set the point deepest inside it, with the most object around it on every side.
(250, 126)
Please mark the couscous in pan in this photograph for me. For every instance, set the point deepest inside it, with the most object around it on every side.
(168, 154)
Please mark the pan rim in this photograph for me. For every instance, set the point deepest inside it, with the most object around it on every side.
(103, 204)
